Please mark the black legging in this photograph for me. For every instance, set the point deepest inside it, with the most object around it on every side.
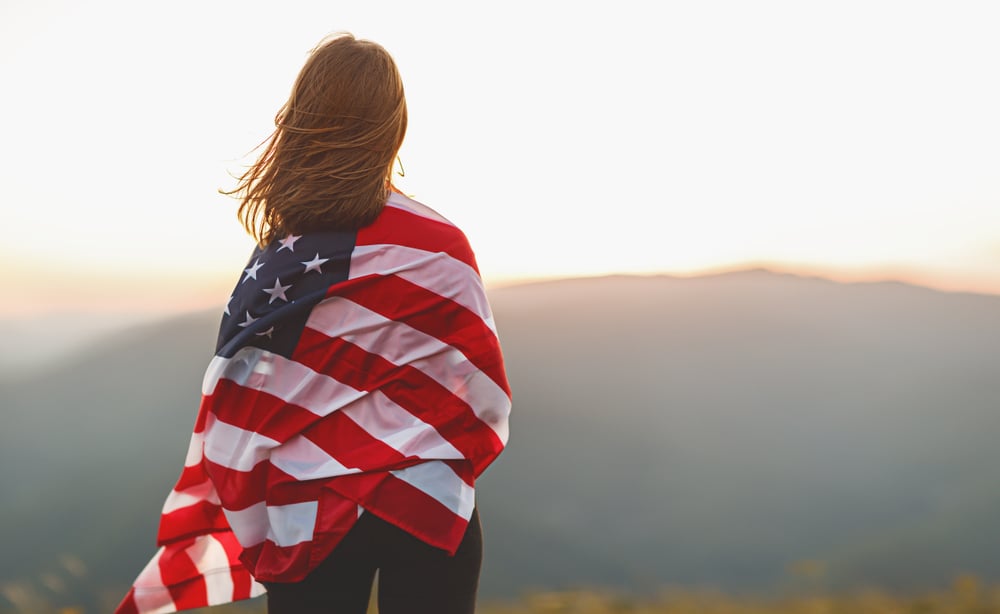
(413, 577)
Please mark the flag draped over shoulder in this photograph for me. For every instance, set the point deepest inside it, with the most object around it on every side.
(355, 372)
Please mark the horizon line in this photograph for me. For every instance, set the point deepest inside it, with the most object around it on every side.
(201, 292)
(909, 276)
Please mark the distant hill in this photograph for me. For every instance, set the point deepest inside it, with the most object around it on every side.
(709, 431)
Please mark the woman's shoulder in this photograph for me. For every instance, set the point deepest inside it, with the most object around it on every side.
(409, 204)
(410, 223)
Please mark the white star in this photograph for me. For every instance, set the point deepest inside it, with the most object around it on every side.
(227, 305)
(289, 242)
(252, 271)
(266, 333)
(315, 264)
(250, 320)
(278, 291)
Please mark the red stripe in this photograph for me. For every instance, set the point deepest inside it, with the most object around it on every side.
(265, 482)
(199, 423)
(240, 489)
(400, 227)
(270, 562)
(254, 410)
(406, 386)
(198, 519)
(128, 605)
(464, 469)
(181, 577)
(437, 316)
(242, 581)
(191, 476)
(351, 445)
(273, 563)
(405, 506)
(283, 489)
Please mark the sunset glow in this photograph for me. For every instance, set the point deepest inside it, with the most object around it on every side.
(856, 141)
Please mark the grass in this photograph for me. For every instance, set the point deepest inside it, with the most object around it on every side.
(967, 595)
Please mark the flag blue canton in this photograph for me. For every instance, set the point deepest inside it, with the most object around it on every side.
(280, 285)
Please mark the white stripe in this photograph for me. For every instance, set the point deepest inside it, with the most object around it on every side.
(246, 367)
(402, 344)
(194, 453)
(151, 597)
(233, 447)
(191, 496)
(237, 369)
(212, 562)
(436, 272)
(399, 429)
(285, 525)
(240, 449)
(282, 377)
(292, 524)
(401, 201)
(304, 460)
(248, 524)
(437, 480)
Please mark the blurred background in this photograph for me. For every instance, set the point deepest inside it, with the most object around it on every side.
(744, 259)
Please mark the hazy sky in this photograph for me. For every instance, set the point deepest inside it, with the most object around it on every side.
(857, 139)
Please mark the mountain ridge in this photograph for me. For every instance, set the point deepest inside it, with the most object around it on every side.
(705, 431)
(134, 324)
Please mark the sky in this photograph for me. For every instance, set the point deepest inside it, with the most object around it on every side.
(854, 140)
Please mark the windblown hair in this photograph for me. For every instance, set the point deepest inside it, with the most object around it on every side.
(328, 163)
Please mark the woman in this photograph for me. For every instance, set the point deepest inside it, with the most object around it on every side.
(358, 388)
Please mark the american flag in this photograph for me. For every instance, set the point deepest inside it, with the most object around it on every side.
(355, 372)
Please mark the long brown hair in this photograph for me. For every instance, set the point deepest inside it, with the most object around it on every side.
(328, 163)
